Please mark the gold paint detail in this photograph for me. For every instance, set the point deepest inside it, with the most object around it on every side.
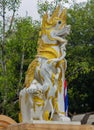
(41, 77)
(50, 97)
(47, 51)
(46, 115)
(53, 79)
(55, 13)
(60, 81)
(20, 117)
(35, 118)
(26, 97)
(63, 14)
(60, 64)
(46, 92)
(55, 104)
(56, 94)
(38, 101)
(30, 73)
(63, 113)
(41, 43)
(20, 114)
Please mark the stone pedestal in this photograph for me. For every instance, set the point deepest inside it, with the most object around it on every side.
(49, 126)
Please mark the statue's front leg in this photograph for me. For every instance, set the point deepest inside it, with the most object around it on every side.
(59, 114)
(25, 106)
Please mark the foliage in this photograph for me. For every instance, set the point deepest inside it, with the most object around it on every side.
(80, 58)
(20, 47)
(5, 29)
(80, 76)
(47, 6)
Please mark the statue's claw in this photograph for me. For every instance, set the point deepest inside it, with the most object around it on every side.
(61, 117)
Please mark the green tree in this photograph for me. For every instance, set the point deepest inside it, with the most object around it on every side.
(5, 29)
(47, 6)
(24, 43)
(21, 50)
(80, 78)
(80, 57)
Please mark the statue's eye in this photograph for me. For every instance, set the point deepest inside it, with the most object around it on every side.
(59, 22)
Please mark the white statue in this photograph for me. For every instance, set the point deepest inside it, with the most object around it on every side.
(42, 97)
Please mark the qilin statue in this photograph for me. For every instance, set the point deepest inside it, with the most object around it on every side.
(43, 95)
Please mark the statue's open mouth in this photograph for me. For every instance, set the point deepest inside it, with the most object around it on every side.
(60, 35)
(65, 31)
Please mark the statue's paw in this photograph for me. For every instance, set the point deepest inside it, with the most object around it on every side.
(65, 119)
(31, 121)
(29, 90)
(61, 117)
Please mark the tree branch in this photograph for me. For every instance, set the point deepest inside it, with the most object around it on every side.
(74, 72)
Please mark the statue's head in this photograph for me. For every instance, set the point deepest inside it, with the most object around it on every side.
(54, 26)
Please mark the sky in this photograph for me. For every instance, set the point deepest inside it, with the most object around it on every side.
(29, 8)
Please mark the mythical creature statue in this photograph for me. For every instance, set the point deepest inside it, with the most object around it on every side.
(42, 97)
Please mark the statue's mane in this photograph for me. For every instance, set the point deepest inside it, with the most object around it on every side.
(46, 50)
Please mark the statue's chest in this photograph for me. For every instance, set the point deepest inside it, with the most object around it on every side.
(57, 49)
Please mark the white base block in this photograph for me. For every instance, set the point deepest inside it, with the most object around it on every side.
(55, 122)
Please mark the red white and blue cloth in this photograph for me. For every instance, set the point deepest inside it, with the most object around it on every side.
(65, 98)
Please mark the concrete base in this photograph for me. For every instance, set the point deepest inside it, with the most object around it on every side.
(56, 122)
(49, 126)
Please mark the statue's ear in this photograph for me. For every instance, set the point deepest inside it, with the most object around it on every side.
(63, 14)
(44, 20)
(55, 13)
